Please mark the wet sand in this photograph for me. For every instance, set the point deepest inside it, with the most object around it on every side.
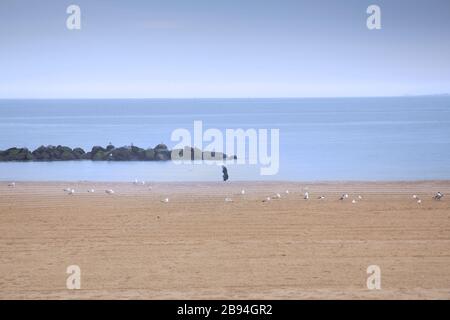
(130, 245)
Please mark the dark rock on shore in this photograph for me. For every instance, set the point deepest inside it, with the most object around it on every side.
(129, 153)
(16, 154)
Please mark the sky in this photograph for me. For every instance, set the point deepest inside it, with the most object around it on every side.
(223, 49)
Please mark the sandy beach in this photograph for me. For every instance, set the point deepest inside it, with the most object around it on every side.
(131, 245)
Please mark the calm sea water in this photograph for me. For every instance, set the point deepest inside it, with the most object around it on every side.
(404, 138)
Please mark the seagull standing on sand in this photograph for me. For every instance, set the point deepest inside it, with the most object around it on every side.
(321, 198)
(166, 200)
(242, 191)
(12, 185)
(438, 196)
(91, 190)
(344, 196)
(266, 199)
(109, 191)
(306, 197)
(72, 191)
(228, 200)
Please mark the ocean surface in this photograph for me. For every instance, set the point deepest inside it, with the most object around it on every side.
(404, 138)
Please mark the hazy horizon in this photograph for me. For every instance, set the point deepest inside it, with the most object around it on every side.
(236, 98)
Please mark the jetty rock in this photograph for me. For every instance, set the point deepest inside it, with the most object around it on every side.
(98, 153)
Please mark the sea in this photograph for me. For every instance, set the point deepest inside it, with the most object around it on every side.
(320, 139)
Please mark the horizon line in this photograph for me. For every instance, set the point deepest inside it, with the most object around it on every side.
(232, 98)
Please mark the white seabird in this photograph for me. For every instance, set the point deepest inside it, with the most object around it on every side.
(438, 196)
(344, 196)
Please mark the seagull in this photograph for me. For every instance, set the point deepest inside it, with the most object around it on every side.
(72, 191)
(67, 190)
(166, 200)
(321, 198)
(344, 196)
(267, 199)
(242, 191)
(438, 196)
(109, 191)
(353, 201)
(359, 197)
(415, 196)
(150, 188)
(277, 196)
(306, 197)
(12, 184)
(419, 201)
(228, 200)
(91, 190)
(287, 191)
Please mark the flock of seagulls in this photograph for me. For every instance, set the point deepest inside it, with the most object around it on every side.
(437, 196)
(70, 191)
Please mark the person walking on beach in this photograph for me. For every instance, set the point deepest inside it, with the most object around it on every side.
(225, 173)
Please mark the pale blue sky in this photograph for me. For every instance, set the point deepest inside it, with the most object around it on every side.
(223, 48)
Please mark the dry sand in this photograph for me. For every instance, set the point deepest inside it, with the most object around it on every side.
(132, 245)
